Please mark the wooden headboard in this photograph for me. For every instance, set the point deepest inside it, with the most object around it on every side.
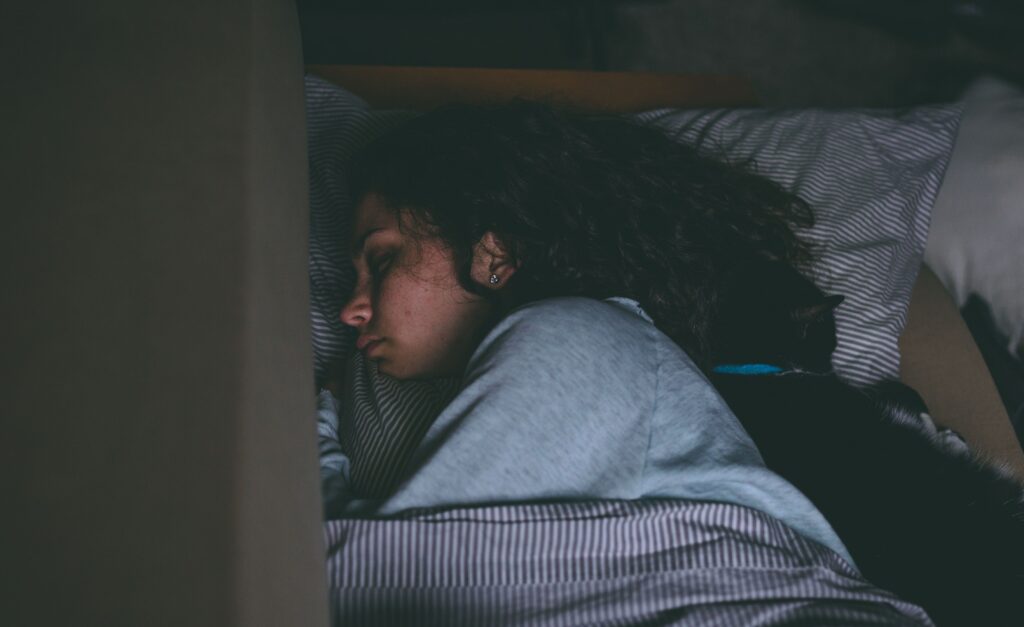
(618, 92)
(939, 357)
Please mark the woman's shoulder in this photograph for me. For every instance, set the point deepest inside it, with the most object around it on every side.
(583, 319)
(575, 309)
(597, 330)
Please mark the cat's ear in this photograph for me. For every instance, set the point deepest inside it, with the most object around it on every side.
(812, 313)
(834, 300)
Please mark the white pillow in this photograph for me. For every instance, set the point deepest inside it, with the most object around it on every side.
(976, 243)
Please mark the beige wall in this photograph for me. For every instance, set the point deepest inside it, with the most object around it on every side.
(159, 463)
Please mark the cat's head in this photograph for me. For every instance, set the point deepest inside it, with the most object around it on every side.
(772, 314)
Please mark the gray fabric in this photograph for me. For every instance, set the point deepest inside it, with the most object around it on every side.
(385, 419)
(575, 398)
(595, 563)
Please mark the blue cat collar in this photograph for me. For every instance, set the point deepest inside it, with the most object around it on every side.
(747, 369)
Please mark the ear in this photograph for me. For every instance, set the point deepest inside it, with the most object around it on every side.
(834, 300)
(491, 257)
(814, 312)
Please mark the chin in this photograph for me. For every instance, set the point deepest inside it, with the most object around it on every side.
(396, 372)
(384, 368)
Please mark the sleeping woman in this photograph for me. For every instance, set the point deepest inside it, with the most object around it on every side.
(565, 270)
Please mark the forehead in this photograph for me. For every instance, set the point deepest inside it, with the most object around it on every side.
(372, 213)
(371, 216)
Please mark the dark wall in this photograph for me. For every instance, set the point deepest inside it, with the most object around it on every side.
(797, 52)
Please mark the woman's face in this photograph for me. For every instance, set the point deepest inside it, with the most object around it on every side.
(413, 317)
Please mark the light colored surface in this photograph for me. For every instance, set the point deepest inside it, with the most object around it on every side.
(159, 462)
(941, 361)
(976, 244)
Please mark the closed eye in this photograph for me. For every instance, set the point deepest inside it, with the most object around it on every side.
(380, 263)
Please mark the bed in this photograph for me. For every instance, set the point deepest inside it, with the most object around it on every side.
(937, 355)
(931, 350)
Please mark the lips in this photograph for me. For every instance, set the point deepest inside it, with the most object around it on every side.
(366, 340)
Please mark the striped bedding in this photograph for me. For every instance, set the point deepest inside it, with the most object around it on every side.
(652, 562)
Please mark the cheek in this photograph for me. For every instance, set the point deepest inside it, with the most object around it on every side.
(414, 308)
(429, 318)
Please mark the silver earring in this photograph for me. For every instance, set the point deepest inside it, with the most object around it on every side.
(494, 279)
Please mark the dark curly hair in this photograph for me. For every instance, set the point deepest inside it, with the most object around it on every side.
(588, 205)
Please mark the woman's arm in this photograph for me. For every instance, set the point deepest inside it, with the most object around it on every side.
(940, 360)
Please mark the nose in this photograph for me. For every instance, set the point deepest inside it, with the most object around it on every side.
(357, 311)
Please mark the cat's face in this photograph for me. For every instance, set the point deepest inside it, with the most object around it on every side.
(773, 315)
(812, 330)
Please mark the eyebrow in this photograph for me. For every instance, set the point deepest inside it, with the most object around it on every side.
(358, 249)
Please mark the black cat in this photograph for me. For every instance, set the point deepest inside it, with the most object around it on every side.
(937, 527)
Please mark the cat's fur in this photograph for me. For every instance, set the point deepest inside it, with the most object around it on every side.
(939, 528)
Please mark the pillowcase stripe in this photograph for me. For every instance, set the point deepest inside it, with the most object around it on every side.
(382, 421)
(871, 236)
(337, 124)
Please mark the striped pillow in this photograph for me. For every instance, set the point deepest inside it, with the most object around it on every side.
(384, 419)
(870, 175)
(337, 124)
